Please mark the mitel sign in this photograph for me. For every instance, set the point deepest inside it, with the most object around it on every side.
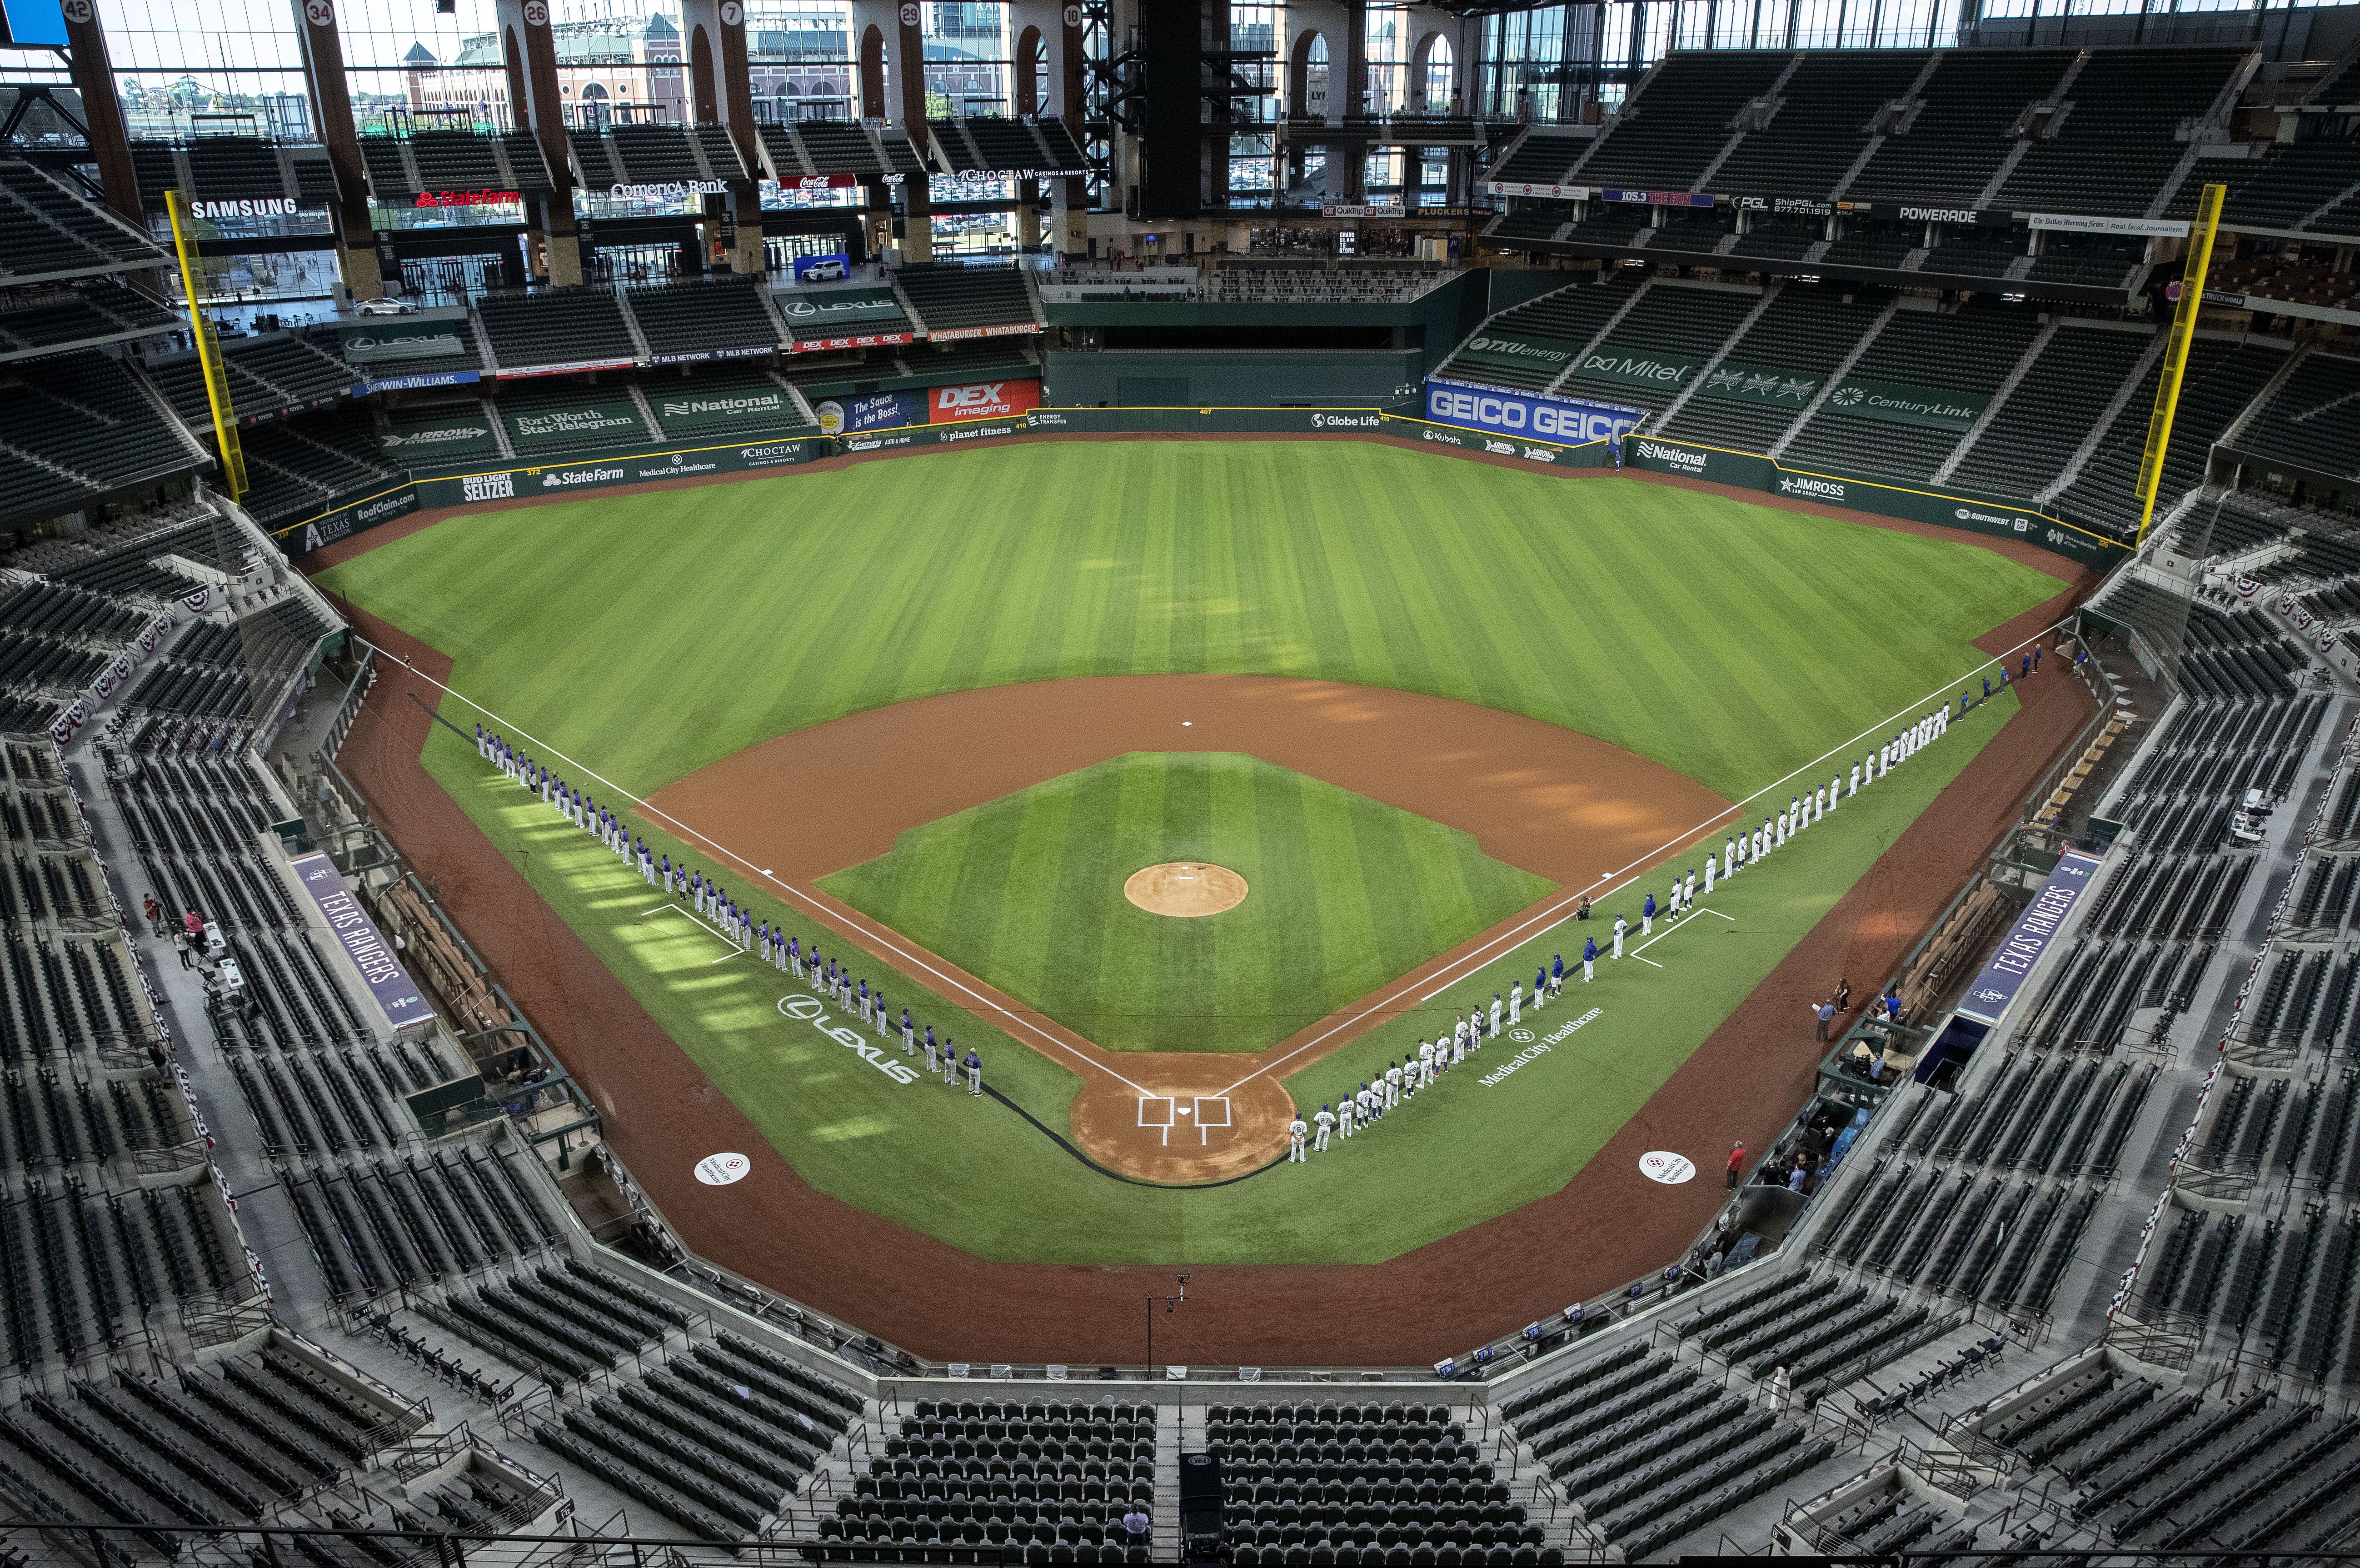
(1526, 415)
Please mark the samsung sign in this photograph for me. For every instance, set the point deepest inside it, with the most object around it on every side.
(1523, 414)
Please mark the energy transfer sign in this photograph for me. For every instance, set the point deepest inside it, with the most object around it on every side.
(1528, 415)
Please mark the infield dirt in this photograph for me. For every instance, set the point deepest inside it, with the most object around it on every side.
(1607, 1226)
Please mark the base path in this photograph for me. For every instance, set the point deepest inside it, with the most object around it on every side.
(1533, 795)
(1609, 1224)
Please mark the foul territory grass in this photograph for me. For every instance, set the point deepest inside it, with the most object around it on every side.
(1345, 894)
(648, 635)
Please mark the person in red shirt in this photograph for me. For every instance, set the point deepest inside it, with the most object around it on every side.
(1737, 1163)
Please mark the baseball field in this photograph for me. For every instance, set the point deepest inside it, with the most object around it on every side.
(839, 690)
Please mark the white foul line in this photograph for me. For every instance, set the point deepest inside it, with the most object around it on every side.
(1517, 935)
(820, 910)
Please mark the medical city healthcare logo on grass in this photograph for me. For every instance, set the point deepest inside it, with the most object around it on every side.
(1538, 1048)
(814, 1012)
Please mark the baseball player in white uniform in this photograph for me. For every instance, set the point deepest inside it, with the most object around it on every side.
(1295, 1131)
(1325, 1122)
(1618, 935)
(1515, 1003)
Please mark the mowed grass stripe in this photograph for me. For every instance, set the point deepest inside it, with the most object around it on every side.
(651, 636)
(1344, 893)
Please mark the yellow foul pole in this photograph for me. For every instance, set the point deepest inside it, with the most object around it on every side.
(209, 359)
(2174, 353)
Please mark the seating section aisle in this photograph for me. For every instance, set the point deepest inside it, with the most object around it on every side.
(1526, 348)
(1966, 128)
(1659, 345)
(2222, 377)
(2312, 421)
(1666, 135)
(47, 231)
(1036, 1483)
(566, 326)
(720, 317)
(1362, 1481)
(1967, 354)
(1827, 112)
(1652, 1451)
(77, 426)
(1803, 335)
(2027, 444)
(949, 296)
(2119, 145)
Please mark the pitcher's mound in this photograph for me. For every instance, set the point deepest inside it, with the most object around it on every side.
(1185, 888)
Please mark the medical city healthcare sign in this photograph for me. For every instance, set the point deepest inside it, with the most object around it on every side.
(1527, 416)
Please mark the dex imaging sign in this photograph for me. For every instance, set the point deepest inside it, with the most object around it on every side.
(1533, 417)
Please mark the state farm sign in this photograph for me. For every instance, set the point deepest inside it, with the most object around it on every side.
(982, 400)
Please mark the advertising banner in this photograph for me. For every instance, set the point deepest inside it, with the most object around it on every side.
(1527, 414)
(698, 413)
(1590, 454)
(833, 268)
(1546, 353)
(391, 339)
(876, 411)
(362, 388)
(962, 334)
(1754, 384)
(441, 435)
(570, 367)
(825, 310)
(1639, 368)
(1659, 198)
(1655, 454)
(982, 400)
(357, 935)
(615, 419)
(2002, 978)
(707, 356)
(1529, 188)
(2075, 223)
(364, 513)
(1895, 403)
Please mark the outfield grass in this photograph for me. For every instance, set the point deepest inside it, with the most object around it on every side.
(647, 635)
(1026, 892)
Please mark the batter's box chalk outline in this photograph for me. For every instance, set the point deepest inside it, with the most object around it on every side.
(1164, 1127)
(1204, 1123)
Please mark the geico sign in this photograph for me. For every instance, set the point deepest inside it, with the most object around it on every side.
(1543, 421)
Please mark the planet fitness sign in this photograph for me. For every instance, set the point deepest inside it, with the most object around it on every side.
(1527, 415)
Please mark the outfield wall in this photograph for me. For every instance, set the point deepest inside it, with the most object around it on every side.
(425, 487)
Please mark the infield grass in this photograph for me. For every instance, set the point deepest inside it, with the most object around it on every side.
(647, 635)
(1345, 894)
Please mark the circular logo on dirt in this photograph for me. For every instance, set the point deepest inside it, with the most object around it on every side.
(1662, 1165)
(721, 1169)
(1521, 1036)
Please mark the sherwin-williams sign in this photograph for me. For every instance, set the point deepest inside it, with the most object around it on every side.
(1638, 367)
(380, 341)
(612, 420)
(362, 943)
(1753, 384)
(693, 414)
(1895, 403)
(443, 438)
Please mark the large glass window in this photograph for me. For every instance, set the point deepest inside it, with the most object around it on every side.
(1388, 50)
(968, 58)
(799, 55)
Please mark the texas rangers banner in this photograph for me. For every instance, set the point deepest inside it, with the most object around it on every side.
(357, 935)
(1993, 989)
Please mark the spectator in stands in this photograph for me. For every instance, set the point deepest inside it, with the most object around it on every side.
(180, 945)
(155, 913)
(1135, 1525)
(1737, 1162)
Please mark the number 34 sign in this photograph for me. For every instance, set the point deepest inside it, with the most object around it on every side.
(319, 13)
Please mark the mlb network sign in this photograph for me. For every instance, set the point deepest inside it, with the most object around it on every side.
(1528, 417)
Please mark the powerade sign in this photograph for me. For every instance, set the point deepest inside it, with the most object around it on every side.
(1528, 417)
